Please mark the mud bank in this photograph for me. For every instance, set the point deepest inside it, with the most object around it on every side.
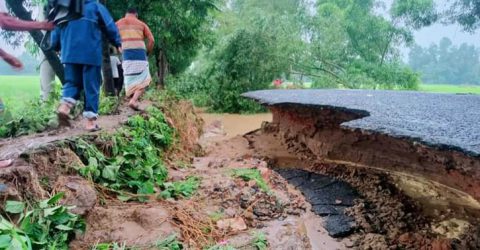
(317, 132)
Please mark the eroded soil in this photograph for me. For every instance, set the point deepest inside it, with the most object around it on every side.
(392, 211)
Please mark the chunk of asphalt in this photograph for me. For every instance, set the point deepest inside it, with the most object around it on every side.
(339, 226)
(293, 173)
(328, 210)
(338, 193)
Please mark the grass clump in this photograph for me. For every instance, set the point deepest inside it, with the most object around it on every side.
(46, 226)
(252, 174)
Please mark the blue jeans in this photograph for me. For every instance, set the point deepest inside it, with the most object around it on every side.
(80, 77)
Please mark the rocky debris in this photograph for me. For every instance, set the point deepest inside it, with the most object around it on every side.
(232, 225)
(78, 193)
(328, 196)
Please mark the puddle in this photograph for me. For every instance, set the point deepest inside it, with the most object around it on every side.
(236, 124)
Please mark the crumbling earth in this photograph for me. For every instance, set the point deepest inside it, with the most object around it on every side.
(306, 203)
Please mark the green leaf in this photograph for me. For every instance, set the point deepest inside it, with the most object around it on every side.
(56, 198)
(64, 228)
(51, 211)
(110, 172)
(14, 207)
(5, 241)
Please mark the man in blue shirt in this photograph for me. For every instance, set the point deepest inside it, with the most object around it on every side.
(80, 42)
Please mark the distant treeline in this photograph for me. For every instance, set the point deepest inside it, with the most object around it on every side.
(30, 66)
(446, 63)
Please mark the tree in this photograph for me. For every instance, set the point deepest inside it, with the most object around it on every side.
(180, 28)
(446, 63)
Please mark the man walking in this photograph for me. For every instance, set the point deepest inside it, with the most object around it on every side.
(80, 42)
(135, 61)
(11, 23)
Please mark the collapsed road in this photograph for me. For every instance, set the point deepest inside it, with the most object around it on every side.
(436, 136)
(427, 144)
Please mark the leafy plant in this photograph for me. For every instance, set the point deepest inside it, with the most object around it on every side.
(46, 226)
(178, 189)
(260, 241)
(35, 117)
(110, 246)
(108, 105)
(134, 164)
(170, 243)
(252, 174)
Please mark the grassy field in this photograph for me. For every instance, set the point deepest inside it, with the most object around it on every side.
(16, 91)
(454, 89)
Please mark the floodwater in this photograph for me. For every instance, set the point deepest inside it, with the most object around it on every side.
(237, 124)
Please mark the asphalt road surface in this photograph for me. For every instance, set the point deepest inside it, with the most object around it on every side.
(445, 121)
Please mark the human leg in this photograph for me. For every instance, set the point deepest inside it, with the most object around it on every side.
(47, 78)
(91, 82)
(70, 92)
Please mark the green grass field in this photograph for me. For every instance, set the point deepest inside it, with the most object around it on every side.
(16, 91)
(454, 89)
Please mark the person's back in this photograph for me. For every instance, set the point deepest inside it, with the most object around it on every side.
(134, 32)
(135, 60)
(80, 40)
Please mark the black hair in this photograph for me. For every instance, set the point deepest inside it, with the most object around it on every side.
(132, 11)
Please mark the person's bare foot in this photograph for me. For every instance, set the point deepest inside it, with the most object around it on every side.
(5, 163)
(134, 105)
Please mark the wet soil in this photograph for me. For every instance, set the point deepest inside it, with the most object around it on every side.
(382, 209)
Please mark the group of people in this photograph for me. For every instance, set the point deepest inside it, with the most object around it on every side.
(80, 45)
(79, 42)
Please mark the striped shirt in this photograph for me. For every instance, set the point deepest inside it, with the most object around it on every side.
(134, 32)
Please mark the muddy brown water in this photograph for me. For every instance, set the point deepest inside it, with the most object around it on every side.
(235, 124)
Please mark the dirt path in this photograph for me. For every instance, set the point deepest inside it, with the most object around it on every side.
(12, 148)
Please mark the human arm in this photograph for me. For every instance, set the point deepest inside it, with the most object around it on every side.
(14, 62)
(55, 39)
(8, 22)
(151, 40)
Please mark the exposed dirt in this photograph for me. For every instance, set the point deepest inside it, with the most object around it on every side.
(435, 216)
(395, 210)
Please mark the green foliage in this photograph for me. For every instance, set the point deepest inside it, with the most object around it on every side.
(108, 105)
(35, 117)
(183, 189)
(191, 87)
(169, 243)
(251, 174)
(248, 62)
(180, 27)
(260, 241)
(47, 226)
(447, 63)
(135, 162)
